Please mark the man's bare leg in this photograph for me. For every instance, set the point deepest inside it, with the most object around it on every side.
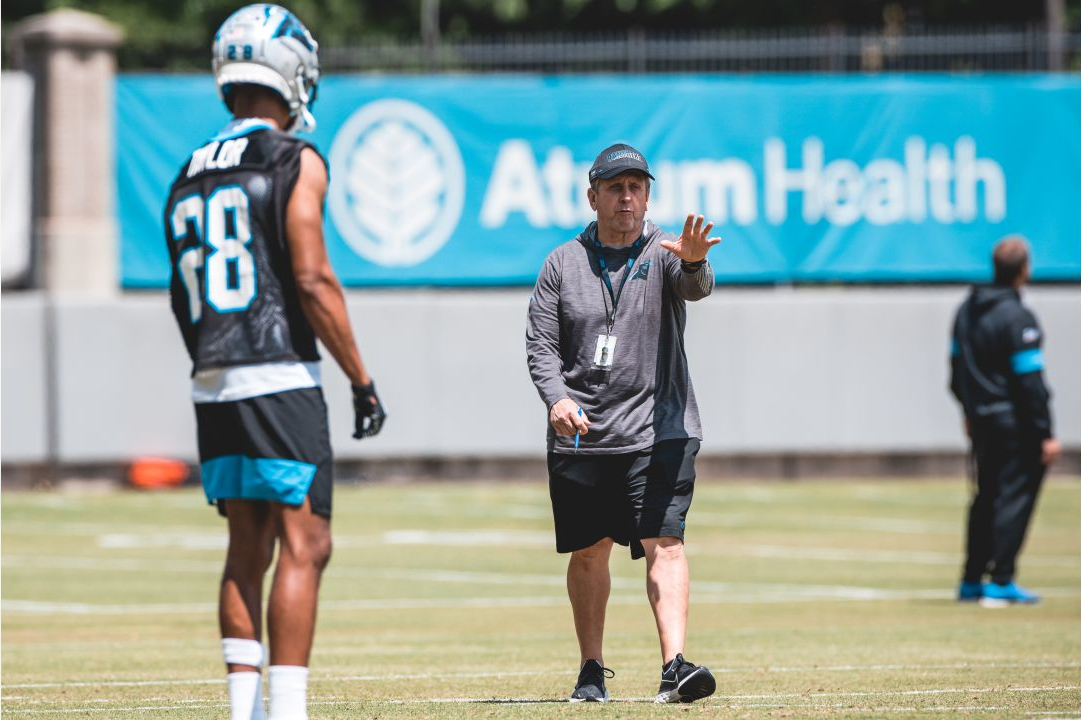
(668, 588)
(589, 584)
(240, 607)
(251, 548)
(303, 553)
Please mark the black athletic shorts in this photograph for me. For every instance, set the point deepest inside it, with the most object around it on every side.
(272, 447)
(626, 497)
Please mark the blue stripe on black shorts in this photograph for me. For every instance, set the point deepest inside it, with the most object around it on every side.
(272, 447)
(626, 497)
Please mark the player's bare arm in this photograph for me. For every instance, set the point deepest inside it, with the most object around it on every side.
(321, 296)
(320, 293)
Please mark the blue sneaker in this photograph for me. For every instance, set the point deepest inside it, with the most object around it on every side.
(995, 595)
(969, 591)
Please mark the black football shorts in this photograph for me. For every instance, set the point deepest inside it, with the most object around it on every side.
(271, 447)
(626, 497)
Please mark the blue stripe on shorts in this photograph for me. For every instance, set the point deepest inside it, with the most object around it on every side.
(241, 477)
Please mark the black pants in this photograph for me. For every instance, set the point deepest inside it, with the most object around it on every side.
(1008, 478)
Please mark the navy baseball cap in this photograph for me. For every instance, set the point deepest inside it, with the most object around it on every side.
(618, 159)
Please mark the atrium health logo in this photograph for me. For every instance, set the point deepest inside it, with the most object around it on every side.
(399, 183)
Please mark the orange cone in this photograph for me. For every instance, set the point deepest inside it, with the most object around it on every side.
(153, 472)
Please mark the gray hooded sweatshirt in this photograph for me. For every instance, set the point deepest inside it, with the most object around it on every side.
(646, 396)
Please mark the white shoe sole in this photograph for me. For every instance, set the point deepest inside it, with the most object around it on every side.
(1001, 603)
(702, 682)
(994, 603)
(672, 696)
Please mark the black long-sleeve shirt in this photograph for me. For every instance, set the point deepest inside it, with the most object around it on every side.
(997, 365)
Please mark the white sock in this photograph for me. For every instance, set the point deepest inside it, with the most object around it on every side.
(246, 696)
(237, 651)
(245, 687)
(288, 686)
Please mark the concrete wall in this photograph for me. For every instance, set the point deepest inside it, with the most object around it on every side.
(23, 372)
(805, 370)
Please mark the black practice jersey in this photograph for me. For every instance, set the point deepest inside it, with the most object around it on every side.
(997, 365)
(232, 285)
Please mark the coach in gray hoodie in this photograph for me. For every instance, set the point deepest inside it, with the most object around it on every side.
(605, 350)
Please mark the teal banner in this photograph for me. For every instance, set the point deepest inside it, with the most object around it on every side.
(470, 180)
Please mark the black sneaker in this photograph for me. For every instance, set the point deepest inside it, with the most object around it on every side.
(685, 682)
(590, 687)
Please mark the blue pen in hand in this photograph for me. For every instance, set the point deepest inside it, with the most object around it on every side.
(577, 434)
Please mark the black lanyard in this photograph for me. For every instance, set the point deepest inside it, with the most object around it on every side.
(636, 249)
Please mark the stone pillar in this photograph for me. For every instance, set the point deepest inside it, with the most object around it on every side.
(72, 57)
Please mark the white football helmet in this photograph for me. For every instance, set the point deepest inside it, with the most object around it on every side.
(267, 45)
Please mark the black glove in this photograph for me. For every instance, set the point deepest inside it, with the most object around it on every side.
(370, 412)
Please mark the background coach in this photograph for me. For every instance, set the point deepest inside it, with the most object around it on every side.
(997, 376)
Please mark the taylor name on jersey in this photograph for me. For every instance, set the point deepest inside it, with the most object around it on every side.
(218, 156)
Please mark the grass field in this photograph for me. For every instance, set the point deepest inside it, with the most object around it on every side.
(447, 601)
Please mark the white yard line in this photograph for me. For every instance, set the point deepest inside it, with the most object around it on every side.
(901, 526)
(9, 711)
(97, 564)
(780, 552)
(704, 593)
(20, 526)
(885, 693)
(142, 535)
(872, 711)
(720, 700)
(108, 683)
(314, 679)
(888, 667)
(890, 557)
(470, 538)
(92, 563)
(40, 607)
(318, 678)
(197, 538)
(524, 701)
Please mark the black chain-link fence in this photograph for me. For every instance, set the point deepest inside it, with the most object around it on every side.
(954, 49)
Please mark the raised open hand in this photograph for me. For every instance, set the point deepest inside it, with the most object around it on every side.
(694, 242)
